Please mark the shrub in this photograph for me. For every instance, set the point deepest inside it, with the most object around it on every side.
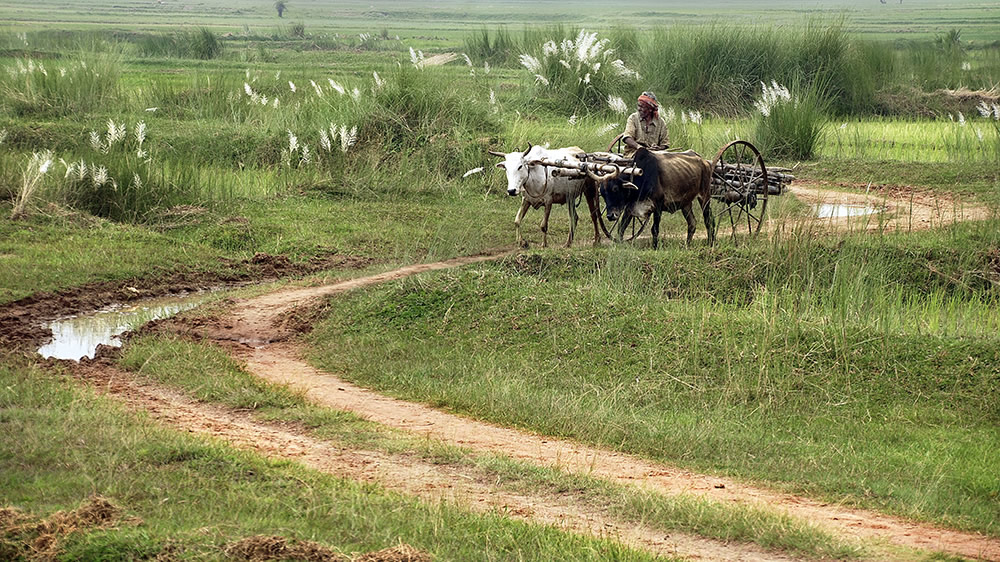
(787, 125)
(30, 87)
(497, 49)
(203, 44)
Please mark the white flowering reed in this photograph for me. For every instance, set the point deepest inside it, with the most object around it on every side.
(347, 138)
(606, 129)
(379, 82)
(472, 171)
(100, 176)
(336, 87)
(771, 96)
(617, 104)
(31, 180)
(533, 65)
(417, 59)
(987, 110)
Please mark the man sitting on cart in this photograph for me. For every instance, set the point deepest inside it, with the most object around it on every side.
(645, 127)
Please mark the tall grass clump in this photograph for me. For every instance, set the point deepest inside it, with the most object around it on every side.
(583, 72)
(120, 181)
(718, 67)
(414, 111)
(58, 88)
(497, 47)
(971, 138)
(789, 125)
(32, 176)
(202, 44)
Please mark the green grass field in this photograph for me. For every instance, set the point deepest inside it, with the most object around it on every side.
(140, 139)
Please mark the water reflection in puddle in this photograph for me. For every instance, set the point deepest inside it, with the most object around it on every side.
(78, 336)
(828, 211)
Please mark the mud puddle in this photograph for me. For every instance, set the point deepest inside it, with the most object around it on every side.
(836, 211)
(78, 336)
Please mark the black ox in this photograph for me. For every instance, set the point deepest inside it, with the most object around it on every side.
(669, 181)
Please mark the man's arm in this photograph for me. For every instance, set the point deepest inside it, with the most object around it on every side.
(631, 132)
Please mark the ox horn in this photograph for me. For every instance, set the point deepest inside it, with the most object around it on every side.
(495, 153)
(630, 185)
(604, 177)
(527, 151)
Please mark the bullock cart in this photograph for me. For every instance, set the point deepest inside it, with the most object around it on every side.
(741, 185)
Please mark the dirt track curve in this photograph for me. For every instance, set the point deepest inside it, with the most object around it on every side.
(259, 330)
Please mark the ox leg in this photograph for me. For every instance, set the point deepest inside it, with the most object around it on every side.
(545, 224)
(706, 213)
(657, 215)
(517, 222)
(689, 217)
(623, 221)
(595, 208)
(573, 218)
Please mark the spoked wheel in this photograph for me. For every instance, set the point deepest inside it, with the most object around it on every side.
(616, 145)
(633, 227)
(739, 183)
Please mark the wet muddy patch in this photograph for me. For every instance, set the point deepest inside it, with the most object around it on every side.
(23, 322)
(79, 336)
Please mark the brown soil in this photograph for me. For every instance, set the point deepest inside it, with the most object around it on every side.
(259, 330)
(901, 208)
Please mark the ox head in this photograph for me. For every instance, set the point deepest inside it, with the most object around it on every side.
(618, 194)
(618, 191)
(516, 165)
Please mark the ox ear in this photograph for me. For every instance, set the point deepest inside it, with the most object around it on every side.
(501, 165)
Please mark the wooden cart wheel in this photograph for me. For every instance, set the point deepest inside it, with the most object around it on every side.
(633, 228)
(739, 180)
(616, 145)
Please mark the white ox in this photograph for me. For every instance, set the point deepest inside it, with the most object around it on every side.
(539, 187)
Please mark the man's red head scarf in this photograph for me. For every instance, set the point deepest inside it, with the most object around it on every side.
(648, 106)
